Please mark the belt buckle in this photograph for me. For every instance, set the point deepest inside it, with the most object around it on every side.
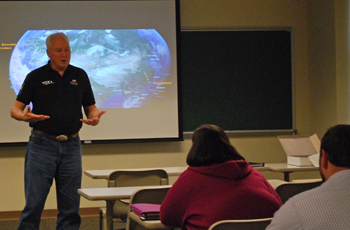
(62, 138)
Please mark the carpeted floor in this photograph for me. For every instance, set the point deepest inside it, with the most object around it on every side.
(87, 223)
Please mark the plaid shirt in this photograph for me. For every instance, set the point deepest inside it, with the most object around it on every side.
(325, 207)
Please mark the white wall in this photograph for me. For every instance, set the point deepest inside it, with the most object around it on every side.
(342, 49)
(309, 81)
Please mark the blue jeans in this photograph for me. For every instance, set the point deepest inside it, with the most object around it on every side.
(46, 159)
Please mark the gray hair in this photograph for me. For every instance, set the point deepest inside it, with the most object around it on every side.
(49, 38)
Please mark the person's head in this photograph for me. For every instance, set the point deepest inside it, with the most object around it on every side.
(335, 150)
(210, 146)
(58, 50)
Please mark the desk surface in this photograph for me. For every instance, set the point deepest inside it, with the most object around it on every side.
(176, 171)
(284, 167)
(104, 173)
(172, 171)
(112, 193)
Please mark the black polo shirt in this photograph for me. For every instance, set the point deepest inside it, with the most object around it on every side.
(60, 97)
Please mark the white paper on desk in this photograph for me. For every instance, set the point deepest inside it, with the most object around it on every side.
(314, 158)
(299, 145)
(315, 142)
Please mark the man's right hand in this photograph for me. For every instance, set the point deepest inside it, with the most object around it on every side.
(31, 117)
(18, 114)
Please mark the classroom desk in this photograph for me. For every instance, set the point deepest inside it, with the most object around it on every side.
(104, 173)
(110, 195)
(176, 171)
(171, 171)
(149, 224)
(287, 169)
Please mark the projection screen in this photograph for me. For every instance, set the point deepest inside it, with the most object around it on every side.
(127, 48)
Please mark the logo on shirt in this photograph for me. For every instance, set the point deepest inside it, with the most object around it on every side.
(47, 82)
(20, 91)
(74, 82)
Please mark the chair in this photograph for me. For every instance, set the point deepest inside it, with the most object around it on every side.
(147, 195)
(253, 224)
(128, 178)
(275, 182)
(290, 189)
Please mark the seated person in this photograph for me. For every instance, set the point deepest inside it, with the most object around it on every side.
(327, 206)
(219, 184)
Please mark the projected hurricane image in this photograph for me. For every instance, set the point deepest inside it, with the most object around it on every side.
(127, 68)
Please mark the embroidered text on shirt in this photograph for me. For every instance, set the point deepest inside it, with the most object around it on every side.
(74, 82)
(47, 82)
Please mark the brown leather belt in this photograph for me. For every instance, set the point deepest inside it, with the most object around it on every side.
(56, 137)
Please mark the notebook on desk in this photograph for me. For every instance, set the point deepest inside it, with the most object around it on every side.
(146, 211)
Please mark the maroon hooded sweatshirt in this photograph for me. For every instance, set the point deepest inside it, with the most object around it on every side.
(202, 196)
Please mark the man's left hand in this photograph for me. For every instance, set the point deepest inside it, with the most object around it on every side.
(93, 121)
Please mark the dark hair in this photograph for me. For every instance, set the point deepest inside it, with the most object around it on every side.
(211, 145)
(336, 143)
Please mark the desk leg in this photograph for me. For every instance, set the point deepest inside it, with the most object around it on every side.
(286, 176)
(109, 214)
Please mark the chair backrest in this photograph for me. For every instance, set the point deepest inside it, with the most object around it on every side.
(275, 182)
(150, 195)
(128, 178)
(253, 224)
(290, 189)
(146, 195)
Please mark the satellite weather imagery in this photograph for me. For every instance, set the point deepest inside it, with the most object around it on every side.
(127, 68)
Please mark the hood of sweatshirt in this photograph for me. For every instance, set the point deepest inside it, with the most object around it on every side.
(233, 170)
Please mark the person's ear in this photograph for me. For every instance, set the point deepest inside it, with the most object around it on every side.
(324, 160)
